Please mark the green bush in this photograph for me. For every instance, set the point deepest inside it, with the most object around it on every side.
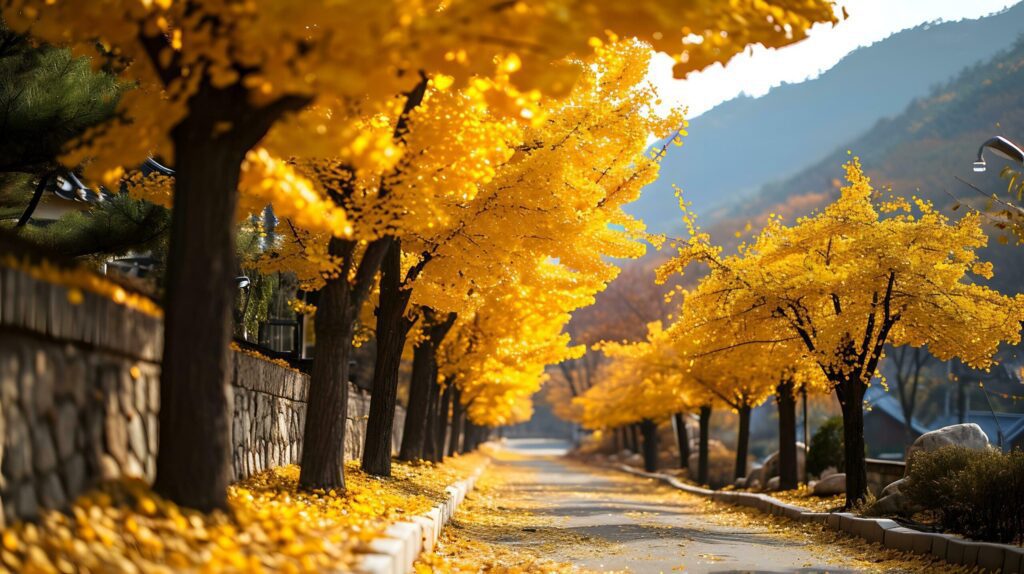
(827, 447)
(977, 493)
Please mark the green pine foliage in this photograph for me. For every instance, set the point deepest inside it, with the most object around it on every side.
(826, 447)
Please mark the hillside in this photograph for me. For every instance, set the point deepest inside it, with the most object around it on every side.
(921, 151)
(738, 146)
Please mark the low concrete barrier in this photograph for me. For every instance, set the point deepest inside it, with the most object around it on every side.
(951, 548)
(403, 542)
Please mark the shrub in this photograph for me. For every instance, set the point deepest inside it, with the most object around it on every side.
(827, 447)
(977, 493)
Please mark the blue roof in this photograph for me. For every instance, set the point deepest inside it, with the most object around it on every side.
(889, 404)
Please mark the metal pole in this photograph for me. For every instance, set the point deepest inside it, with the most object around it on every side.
(807, 431)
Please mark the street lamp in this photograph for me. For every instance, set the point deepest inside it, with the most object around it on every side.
(1002, 148)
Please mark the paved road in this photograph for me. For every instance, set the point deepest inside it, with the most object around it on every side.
(606, 520)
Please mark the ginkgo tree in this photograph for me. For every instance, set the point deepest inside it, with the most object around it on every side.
(864, 272)
(214, 78)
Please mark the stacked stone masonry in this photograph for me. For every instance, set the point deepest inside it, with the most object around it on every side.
(80, 398)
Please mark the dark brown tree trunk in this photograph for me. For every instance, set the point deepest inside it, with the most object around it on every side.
(419, 399)
(323, 443)
(193, 464)
(392, 330)
(442, 420)
(786, 401)
(424, 363)
(458, 419)
(650, 431)
(430, 446)
(742, 442)
(682, 439)
(702, 448)
(851, 398)
(468, 442)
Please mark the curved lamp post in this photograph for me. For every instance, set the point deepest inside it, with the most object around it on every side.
(1002, 147)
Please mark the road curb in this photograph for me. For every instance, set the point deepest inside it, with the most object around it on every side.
(402, 543)
(953, 549)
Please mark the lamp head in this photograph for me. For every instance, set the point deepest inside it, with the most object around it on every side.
(1003, 148)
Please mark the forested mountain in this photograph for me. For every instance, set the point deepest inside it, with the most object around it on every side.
(795, 125)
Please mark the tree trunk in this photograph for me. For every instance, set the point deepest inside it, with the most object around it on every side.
(682, 439)
(392, 330)
(458, 419)
(193, 464)
(786, 402)
(702, 449)
(851, 397)
(442, 421)
(419, 397)
(430, 446)
(424, 365)
(742, 442)
(323, 438)
(471, 433)
(650, 431)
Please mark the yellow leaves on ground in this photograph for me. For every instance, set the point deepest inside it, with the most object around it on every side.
(271, 527)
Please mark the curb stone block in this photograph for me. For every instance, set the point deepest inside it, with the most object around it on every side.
(1013, 560)
(956, 550)
(411, 535)
(429, 533)
(924, 542)
(833, 519)
(392, 548)
(375, 564)
(818, 517)
(900, 538)
(939, 545)
(991, 557)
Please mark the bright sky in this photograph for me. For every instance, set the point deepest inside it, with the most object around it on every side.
(757, 72)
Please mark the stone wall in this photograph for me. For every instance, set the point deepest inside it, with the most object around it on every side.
(80, 397)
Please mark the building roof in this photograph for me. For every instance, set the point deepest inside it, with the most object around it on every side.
(888, 404)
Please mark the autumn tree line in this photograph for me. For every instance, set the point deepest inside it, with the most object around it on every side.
(805, 307)
(449, 177)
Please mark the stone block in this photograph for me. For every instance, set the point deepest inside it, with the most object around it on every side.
(1013, 560)
(393, 549)
(430, 533)
(26, 505)
(900, 538)
(957, 550)
(65, 429)
(74, 473)
(375, 564)
(411, 534)
(51, 492)
(991, 557)
(940, 543)
(44, 452)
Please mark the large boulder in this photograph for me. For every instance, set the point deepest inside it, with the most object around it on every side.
(634, 460)
(771, 464)
(967, 435)
(755, 477)
(773, 484)
(831, 485)
(893, 502)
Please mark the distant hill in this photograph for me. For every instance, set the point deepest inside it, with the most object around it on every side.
(732, 150)
(922, 151)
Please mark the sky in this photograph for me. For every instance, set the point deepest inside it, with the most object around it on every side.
(757, 71)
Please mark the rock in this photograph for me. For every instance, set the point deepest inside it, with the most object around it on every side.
(832, 484)
(52, 493)
(137, 437)
(740, 482)
(967, 435)
(117, 437)
(829, 471)
(634, 460)
(892, 501)
(771, 463)
(65, 428)
(109, 468)
(754, 483)
(74, 475)
(755, 476)
(44, 453)
(26, 505)
(773, 484)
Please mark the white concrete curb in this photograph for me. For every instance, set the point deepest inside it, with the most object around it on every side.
(953, 549)
(403, 542)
